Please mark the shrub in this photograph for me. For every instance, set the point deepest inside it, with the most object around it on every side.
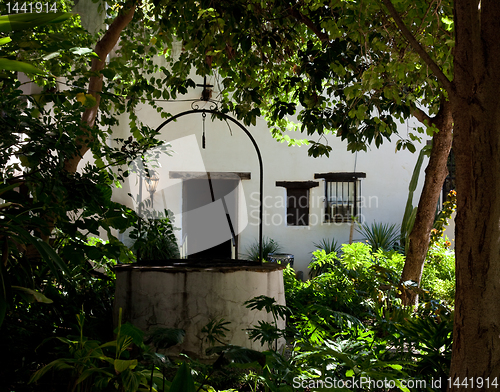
(268, 246)
(380, 235)
(352, 284)
(329, 246)
(322, 262)
(439, 271)
(29, 322)
(155, 239)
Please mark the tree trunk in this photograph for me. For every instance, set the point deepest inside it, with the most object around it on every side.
(435, 174)
(436, 170)
(102, 49)
(476, 112)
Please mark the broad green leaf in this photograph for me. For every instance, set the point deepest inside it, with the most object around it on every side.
(46, 251)
(133, 332)
(183, 380)
(19, 66)
(80, 97)
(124, 364)
(5, 205)
(81, 51)
(16, 22)
(87, 100)
(5, 40)
(37, 296)
(58, 364)
(90, 372)
(107, 359)
(52, 55)
(112, 343)
(7, 187)
(411, 147)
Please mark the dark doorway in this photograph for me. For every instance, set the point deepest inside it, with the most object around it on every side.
(209, 219)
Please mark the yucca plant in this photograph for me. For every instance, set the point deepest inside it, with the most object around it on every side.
(268, 246)
(329, 245)
(383, 236)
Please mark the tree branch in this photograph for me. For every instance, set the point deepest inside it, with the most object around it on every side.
(442, 118)
(324, 37)
(421, 116)
(419, 49)
(102, 49)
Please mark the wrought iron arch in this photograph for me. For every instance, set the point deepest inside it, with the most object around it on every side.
(224, 116)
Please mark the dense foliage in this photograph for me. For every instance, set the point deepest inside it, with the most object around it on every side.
(50, 268)
(346, 323)
(154, 238)
(339, 69)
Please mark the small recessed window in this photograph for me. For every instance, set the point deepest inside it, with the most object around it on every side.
(342, 196)
(297, 201)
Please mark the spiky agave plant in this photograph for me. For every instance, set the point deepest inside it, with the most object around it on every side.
(268, 246)
(380, 235)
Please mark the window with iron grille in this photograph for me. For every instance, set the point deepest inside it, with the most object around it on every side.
(342, 196)
(297, 201)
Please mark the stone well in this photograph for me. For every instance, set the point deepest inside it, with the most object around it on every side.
(189, 296)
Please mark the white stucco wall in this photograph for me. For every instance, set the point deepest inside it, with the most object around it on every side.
(228, 149)
(384, 189)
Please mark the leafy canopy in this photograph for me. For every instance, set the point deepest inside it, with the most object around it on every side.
(338, 67)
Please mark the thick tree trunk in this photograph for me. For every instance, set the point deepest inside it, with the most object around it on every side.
(476, 112)
(435, 174)
(436, 170)
(102, 49)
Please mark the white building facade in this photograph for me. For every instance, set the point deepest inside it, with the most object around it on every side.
(305, 199)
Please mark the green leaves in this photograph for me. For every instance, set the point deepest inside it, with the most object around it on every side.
(82, 51)
(430, 340)
(324, 259)
(268, 304)
(5, 40)
(25, 21)
(351, 73)
(87, 100)
(183, 380)
(215, 331)
(237, 355)
(120, 365)
(380, 235)
(19, 66)
(37, 296)
(155, 238)
(163, 338)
